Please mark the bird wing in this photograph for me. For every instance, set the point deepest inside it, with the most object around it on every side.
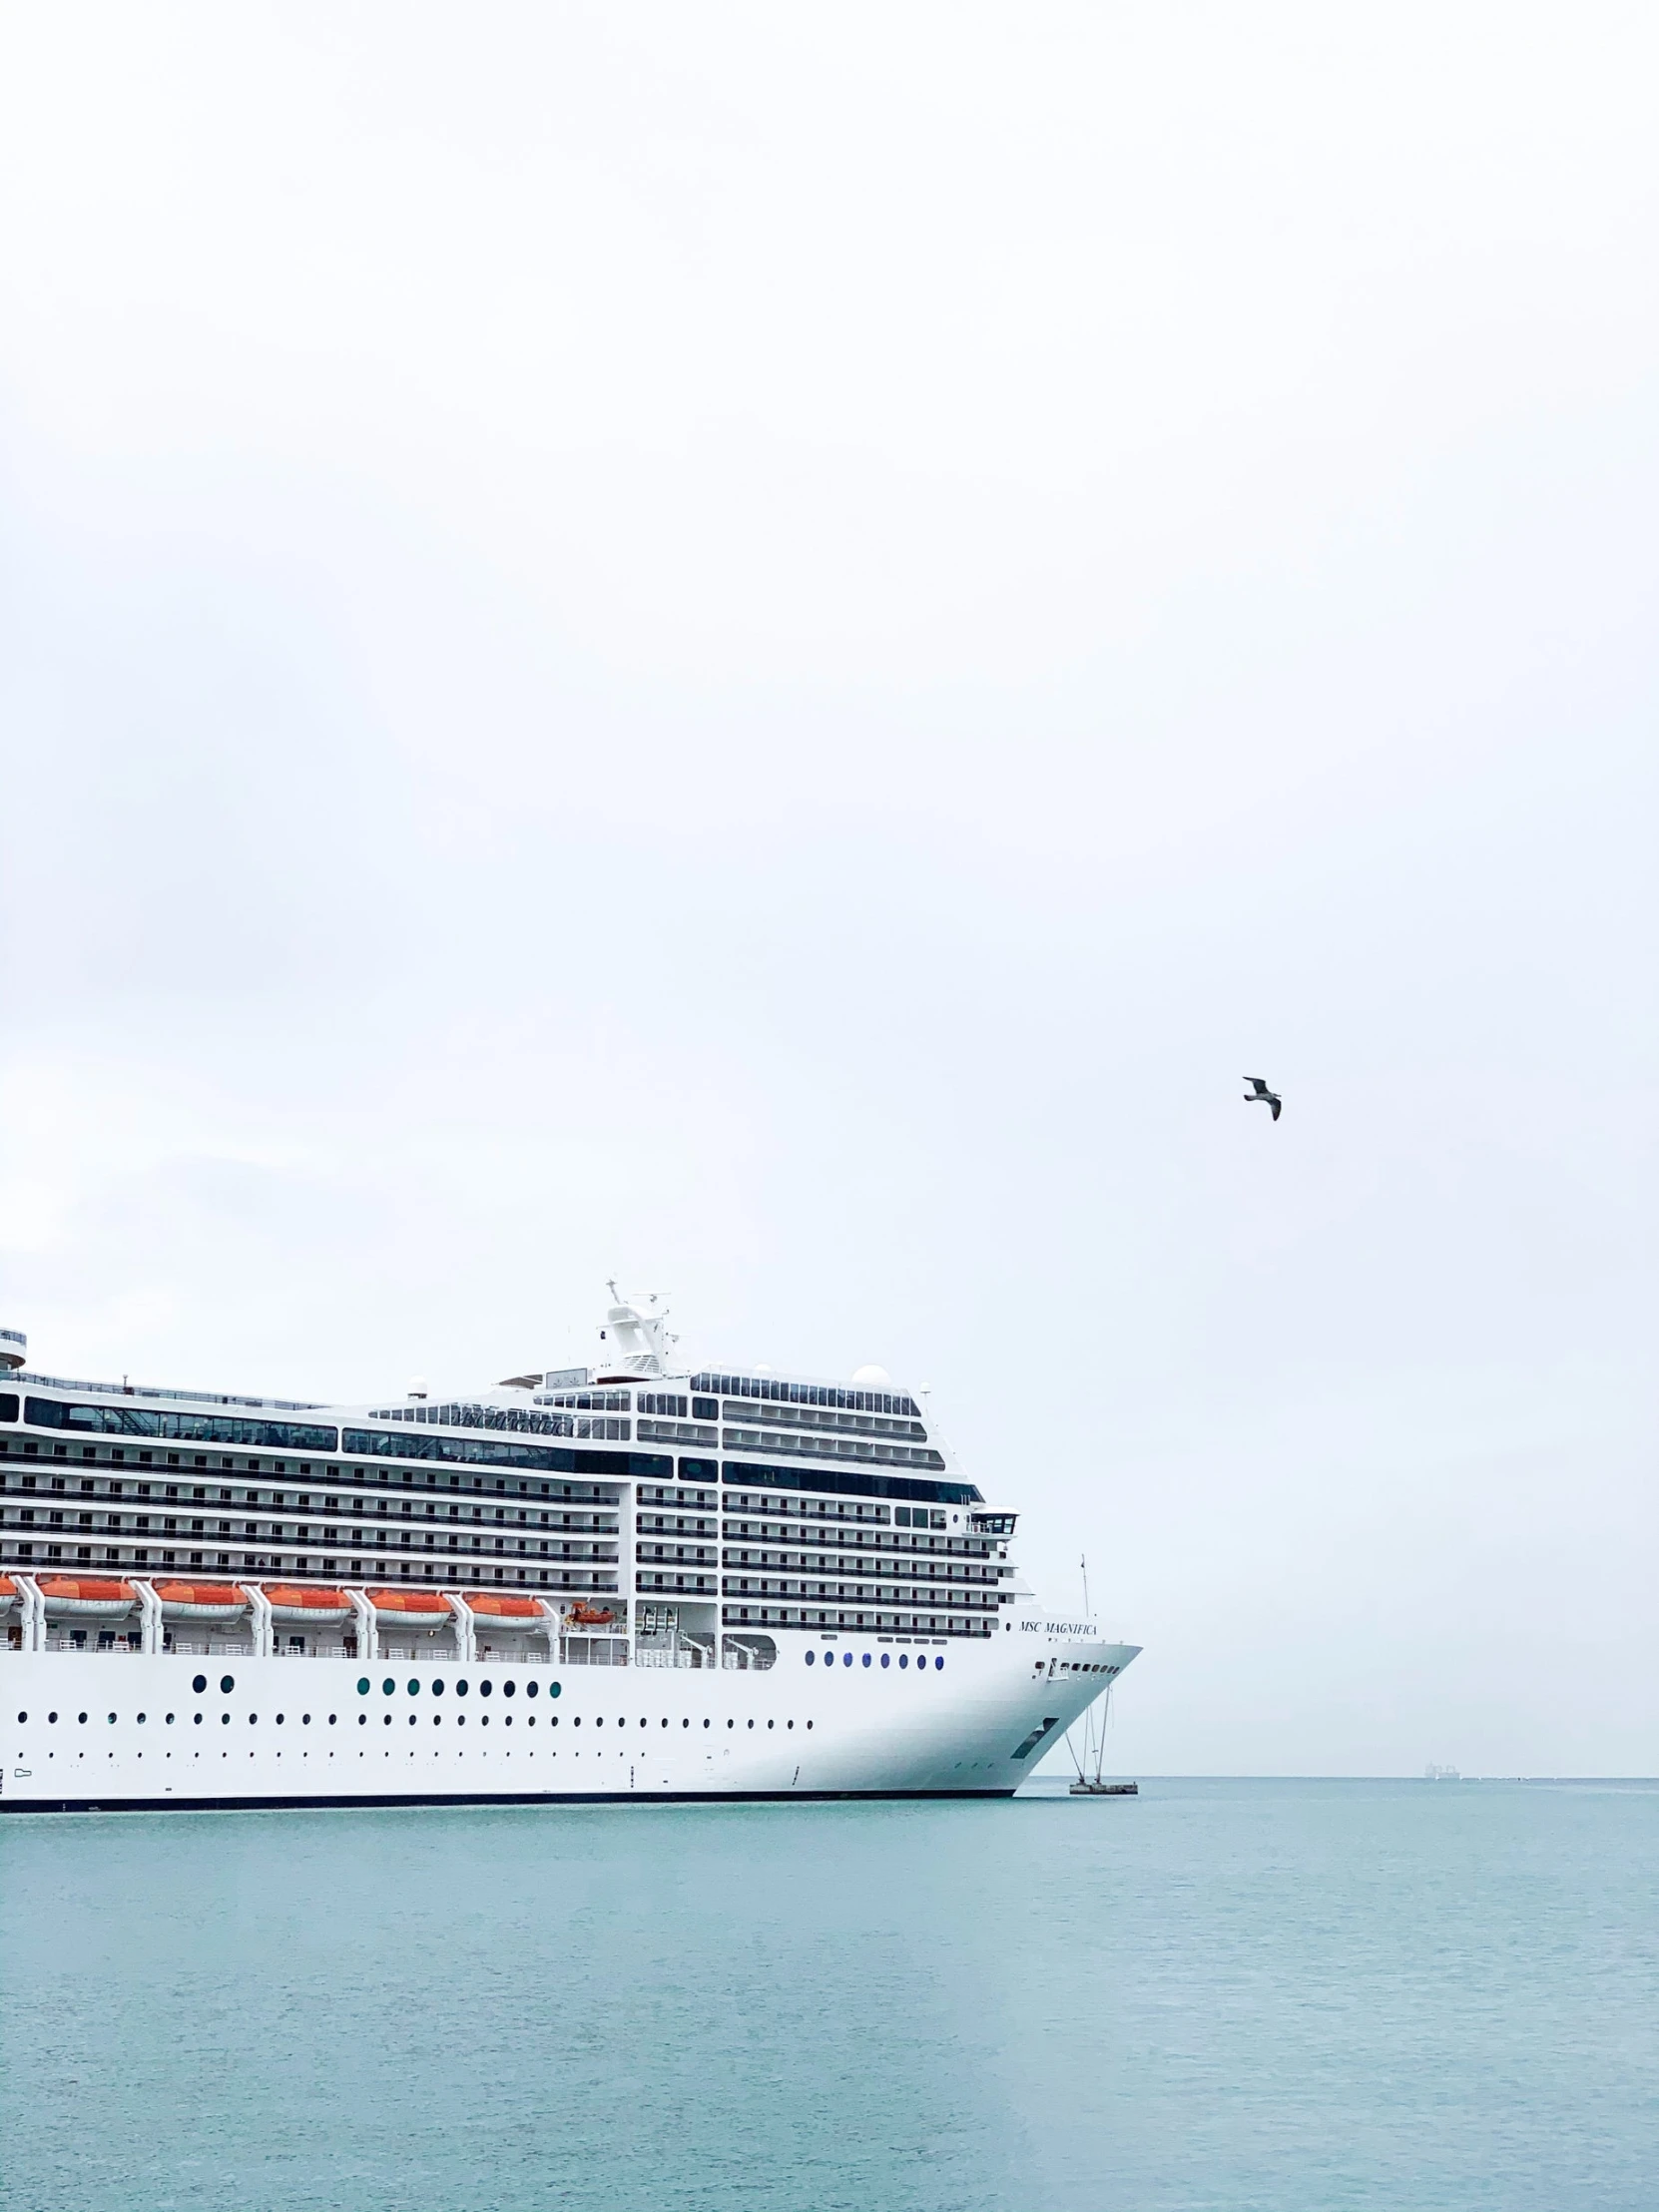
(1277, 1105)
(1257, 1084)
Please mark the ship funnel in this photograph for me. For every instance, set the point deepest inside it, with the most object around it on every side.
(635, 1342)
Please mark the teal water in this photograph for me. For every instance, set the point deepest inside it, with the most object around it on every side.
(1223, 1994)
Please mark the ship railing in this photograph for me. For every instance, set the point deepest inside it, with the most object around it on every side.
(664, 1655)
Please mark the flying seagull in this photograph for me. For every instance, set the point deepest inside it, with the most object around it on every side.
(1259, 1091)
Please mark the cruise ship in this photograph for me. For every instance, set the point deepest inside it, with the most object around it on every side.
(618, 1582)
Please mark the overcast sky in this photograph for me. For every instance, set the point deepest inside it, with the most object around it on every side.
(762, 650)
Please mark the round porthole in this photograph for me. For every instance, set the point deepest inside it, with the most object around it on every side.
(388, 1686)
(509, 1688)
(846, 1658)
(485, 1688)
(362, 1685)
(811, 1658)
(227, 1683)
(552, 1689)
(886, 1658)
(460, 1689)
(532, 1689)
(867, 1658)
(437, 1687)
(199, 1684)
(904, 1658)
(939, 1660)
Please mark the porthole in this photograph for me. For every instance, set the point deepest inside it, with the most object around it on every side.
(112, 1720)
(281, 1718)
(461, 1688)
(730, 1724)
(81, 1717)
(486, 1688)
(252, 1718)
(362, 1720)
(752, 1724)
(532, 1689)
(706, 1724)
(414, 1687)
(304, 1720)
(904, 1658)
(223, 1720)
(143, 1717)
(21, 1718)
(599, 1721)
(52, 1716)
(792, 1724)
(811, 1658)
(665, 1720)
(437, 1687)
(509, 1688)
(198, 1719)
(938, 1660)
(331, 1718)
(362, 1685)
(199, 1684)
(687, 1724)
(552, 1689)
(227, 1683)
(867, 1658)
(170, 1720)
(388, 1719)
(886, 1658)
(387, 1687)
(772, 1724)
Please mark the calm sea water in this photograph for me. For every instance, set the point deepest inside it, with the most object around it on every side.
(1225, 1993)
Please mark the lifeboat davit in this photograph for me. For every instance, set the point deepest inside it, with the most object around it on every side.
(412, 1608)
(590, 1616)
(8, 1594)
(79, 1598)
(294, 1606)
(494, 1610)
(200, 1601)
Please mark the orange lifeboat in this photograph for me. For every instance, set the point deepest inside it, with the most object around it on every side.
(200, 1601)
(413, 1608)
(80, 1598)
(8, 1594)
(590, 1616)
(297, 1605)
(494, 1610)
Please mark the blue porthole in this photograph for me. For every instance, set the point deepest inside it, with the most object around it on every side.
(437, 1686)
(227, 1683)
(939, 1659)
(552, 1689)
(867, 1658)
(811, 1658)
(886, 1658)
(846, 1658)
(904, 1658)
(199, 1684)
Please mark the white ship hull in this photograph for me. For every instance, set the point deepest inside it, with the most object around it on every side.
(974, 1727)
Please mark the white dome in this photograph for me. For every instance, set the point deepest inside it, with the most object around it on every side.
(872, 1378)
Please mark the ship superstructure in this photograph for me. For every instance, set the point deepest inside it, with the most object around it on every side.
(630, 1578)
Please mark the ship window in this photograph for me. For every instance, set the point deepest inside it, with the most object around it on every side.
(227, 1683)
(811, 1658)
(460, 1689)
(485, 1688)
(867, 1658)
(437, 1687)
(414, 1687)
(904, 1658)
(197, 1720)
(387, 1687)
(532, 1689)
(362, 1686)
(199, 1684)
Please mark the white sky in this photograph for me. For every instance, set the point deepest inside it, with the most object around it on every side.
(762, 650)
